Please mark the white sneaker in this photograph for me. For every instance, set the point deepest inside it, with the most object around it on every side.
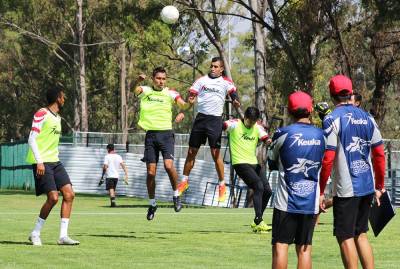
(67, 241)
(35, 239)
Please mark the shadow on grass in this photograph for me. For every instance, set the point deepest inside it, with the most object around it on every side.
(124, 236)
(14, 243)
(162, 232)
(16, 192)
(215, 232)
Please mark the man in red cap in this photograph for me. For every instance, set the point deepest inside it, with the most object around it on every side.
(353, 139)
(296, 151)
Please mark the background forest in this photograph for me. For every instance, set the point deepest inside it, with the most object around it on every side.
(95, 49)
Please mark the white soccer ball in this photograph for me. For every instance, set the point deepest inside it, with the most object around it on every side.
(169, 14)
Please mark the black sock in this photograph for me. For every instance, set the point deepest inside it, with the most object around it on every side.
(112, 199)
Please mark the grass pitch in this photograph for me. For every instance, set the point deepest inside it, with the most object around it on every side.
(194, 238)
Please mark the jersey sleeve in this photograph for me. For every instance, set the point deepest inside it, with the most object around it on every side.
(145, 90)
(277, 141)
(230, 86)
(229, 125)
(331, 131)
(196, 87)
(106, 161)
(174, 94)
(262, 134)
(38, 119)
(120, 159)
(376, 139)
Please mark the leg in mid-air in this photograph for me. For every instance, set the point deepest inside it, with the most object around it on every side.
(151, 189)
(189, 163)
(173, 178)
(219, 167)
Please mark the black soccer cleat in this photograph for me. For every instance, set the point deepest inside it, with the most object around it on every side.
(151, 212)
(177, 203)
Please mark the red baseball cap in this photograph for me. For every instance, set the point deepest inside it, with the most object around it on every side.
(300, 100)
(340, 85)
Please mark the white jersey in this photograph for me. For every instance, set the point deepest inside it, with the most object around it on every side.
(113, 162)
(211, 94)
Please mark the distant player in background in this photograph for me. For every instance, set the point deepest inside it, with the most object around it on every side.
(297, 151)
(244, 136)
(49, 173)
(156, 118)
(112, 161)
(356, 98)
(356, 153)
(211, 91)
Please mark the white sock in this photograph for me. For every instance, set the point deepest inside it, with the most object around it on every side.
(64, 227)
(176, 193)
(221, 183)
(152, 202)
(185, 178)
(38, 226)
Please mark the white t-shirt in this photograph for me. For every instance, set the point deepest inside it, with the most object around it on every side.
(211, 94)
(113, 162)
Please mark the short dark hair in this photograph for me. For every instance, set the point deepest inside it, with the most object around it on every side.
(341, 98)
(218, 59)
(300, 113)
(159, 69)
(52, 95)
(252, 113)
(357, 97)
(110, 147)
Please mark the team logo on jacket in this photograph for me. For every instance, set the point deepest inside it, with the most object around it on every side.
(358, 145)
(303, 166)
(350, 118)
(304, 142)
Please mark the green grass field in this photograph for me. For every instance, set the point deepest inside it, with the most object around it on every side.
(194, 238)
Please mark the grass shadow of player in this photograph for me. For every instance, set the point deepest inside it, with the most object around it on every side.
(214, 232)
(123, 236)
(162, 233)
(14, 243)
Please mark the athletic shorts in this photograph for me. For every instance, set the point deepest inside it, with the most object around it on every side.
(350, 215)
(206, 127)
(54, 178)
(288, 228)
(111, 183)
(156, 142)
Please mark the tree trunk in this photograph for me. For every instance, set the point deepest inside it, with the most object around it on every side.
(82, 72)
(124, 110)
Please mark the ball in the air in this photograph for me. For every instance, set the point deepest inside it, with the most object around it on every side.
(170, 14)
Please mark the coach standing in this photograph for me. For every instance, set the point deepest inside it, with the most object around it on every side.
(353, 139)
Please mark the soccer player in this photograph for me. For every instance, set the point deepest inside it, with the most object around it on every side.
(156, 118)
(243, 139)
(353, 139)
(49, 173)
(211, 91)
(297, 151)
(112, 161)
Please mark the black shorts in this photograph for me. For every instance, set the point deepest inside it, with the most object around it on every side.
(157, 141)
(206, 127)
(111, 183)
(288, 228)
(350, 215)
(54, 178)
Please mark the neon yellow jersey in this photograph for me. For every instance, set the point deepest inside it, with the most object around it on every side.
(156, 108)
(243, 141)
(46, 130)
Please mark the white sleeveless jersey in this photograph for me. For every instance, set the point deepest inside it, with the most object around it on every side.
(211, 94)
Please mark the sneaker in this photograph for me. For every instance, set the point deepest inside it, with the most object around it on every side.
(35, 239)
(262, 227)
(177, 203)
(151, 212)
(183, 186)
(221, 193)
(67, 241)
